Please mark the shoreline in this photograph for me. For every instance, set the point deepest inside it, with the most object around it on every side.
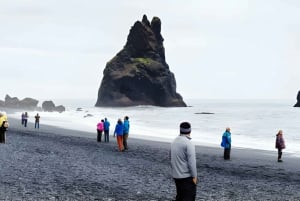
(78, 133)
(54, 164)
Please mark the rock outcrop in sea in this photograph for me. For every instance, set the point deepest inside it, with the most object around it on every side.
(298, 100)
(139, 74)
(29, 104)
(14, 102)
(49, 106)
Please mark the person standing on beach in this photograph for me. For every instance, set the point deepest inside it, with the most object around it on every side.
(125, 131)
(279, 144)
(100, 128)
(37, 121)
(183, 164)
(3, 126)
(25, 119)
(106, 125)
(119, 132)
(226, 143)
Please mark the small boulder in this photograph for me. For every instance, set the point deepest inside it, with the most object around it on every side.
(79, 109)
(87, 115)
(60, 109)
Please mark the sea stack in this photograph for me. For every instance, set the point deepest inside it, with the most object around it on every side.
(298, 100)
(139, 74)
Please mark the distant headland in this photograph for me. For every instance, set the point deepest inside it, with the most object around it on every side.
(30, 104)
(139, 74)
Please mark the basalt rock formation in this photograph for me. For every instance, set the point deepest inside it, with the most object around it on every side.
(26, 103)
(49, 106)
(298, 100)
(2, 103)
(30, 104)
(139, 74)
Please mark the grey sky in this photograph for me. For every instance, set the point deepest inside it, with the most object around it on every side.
(219, 49)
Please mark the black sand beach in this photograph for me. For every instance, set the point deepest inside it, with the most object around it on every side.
(56, 164)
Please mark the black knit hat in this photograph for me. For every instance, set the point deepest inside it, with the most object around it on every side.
(185, 128)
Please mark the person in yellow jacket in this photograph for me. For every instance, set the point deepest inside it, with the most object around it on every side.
(3, 126)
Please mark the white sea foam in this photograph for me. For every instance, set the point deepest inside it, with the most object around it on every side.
(254, 123)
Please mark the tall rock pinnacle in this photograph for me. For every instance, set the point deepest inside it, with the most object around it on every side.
(139, 74)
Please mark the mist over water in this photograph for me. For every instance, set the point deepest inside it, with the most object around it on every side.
(254, 123)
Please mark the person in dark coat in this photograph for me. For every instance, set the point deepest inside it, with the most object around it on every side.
(279, 144)
(25, 119)
(37, 121)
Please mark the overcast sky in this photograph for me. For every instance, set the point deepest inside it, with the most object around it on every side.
(217, 49)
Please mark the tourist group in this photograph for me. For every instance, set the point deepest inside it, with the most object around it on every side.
(121, 131)
(24, 120)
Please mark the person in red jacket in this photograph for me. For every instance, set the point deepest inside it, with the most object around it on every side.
(279, 144)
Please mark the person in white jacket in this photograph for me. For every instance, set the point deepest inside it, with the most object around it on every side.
(183, 164)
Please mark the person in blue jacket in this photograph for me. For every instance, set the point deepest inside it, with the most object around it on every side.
(106, 125)
(119, 132)
(125, 131)
(226, 143)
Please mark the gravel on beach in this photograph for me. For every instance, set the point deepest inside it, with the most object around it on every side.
(52, 164)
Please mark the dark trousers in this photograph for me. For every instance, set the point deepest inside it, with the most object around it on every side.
(279, 154)
(125, 137)
(106, 136)
(99, 135)
(25, 122)
(186, 189)
(2, 136)
(227, 154)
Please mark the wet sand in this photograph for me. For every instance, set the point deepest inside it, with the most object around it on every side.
(58, 164)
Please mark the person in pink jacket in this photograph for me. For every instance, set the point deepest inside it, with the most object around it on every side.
(100, 129)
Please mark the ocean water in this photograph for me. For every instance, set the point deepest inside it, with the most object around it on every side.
(253, 123)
